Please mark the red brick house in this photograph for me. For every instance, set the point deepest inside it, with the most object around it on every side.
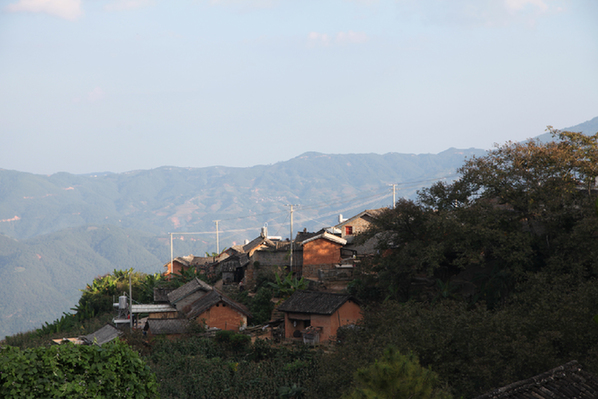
(324, 312)
(199, 301)
(321, 252)
(216, 310)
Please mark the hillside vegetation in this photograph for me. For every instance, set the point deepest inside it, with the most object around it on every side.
(71, 228)
(477, 284)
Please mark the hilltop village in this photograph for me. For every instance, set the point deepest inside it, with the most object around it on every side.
(323, 261)
(486, 282)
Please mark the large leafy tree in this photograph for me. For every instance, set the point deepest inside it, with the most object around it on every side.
(520, 209)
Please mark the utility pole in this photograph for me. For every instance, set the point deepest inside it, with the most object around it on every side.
(130, 303)
(394, 201)
(217, 238)
(171, 256)
(291, 260)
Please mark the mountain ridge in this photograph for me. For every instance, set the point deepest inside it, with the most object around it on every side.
(59, 231)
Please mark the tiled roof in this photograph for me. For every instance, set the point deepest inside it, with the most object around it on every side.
(161, 294)
(305, 235)
(325, 303)
(103, 335)
(167, 326)
(188, 289)
(564, 382)
(326, 236)
(211, 299)
(368, 212)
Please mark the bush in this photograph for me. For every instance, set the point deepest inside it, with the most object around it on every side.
(262, 306)
(110, 371)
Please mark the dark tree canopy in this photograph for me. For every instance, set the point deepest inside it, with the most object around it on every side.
(523, 208)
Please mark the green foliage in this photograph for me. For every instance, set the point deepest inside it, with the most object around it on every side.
(397, 376)
(285, 287)
(99, 296)
(75, 371)
(519, 210)
(202, 368)
(548, 322)
(231, 340)
(262, 306)
(264, 277)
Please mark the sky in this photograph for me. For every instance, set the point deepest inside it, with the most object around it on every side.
(118, 85)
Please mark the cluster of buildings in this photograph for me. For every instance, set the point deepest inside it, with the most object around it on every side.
(325, 259)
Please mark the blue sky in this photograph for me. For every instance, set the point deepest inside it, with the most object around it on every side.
(118, 85)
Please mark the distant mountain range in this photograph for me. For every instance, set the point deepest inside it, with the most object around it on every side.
(58, 232)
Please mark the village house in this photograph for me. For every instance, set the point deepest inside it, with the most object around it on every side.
(319, 313)
(183, 263)
(168, 328)
(357, 224)
(321, 252)
(203, 303)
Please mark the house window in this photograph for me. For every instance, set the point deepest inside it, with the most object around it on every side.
(348, 230)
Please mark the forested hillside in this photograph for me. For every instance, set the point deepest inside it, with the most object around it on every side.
(476, 284)
(61, 231)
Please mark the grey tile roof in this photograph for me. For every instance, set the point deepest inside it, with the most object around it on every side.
(161, 294)
(325, 303)
(564, 382)
(167, 326)
(371, 213)
(188, 289)
(326, 236)
(211, 299)
(233, 262)
(101, 336)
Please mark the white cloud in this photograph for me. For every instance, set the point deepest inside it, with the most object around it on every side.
(120, 5)
(318, 39)
(96, 94)
(67, 9)
(325, 40)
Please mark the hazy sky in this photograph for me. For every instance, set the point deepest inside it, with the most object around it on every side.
(118, 85)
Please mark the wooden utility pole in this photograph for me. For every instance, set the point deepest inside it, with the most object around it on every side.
(291, 259)
(217, 238)
(394, 201)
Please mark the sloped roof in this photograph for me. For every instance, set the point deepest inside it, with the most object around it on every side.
(211, 299)
(188, 289)
(233, 262)
(167, 326)
(152, 308)
(327, 236)
(564, 382)
(325, 303)
(161, 294)
(191, 260)
(305, 235)
(368, 212)
(101, 336)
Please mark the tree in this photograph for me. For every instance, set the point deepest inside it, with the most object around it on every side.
(397, 376)
(520, 209)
